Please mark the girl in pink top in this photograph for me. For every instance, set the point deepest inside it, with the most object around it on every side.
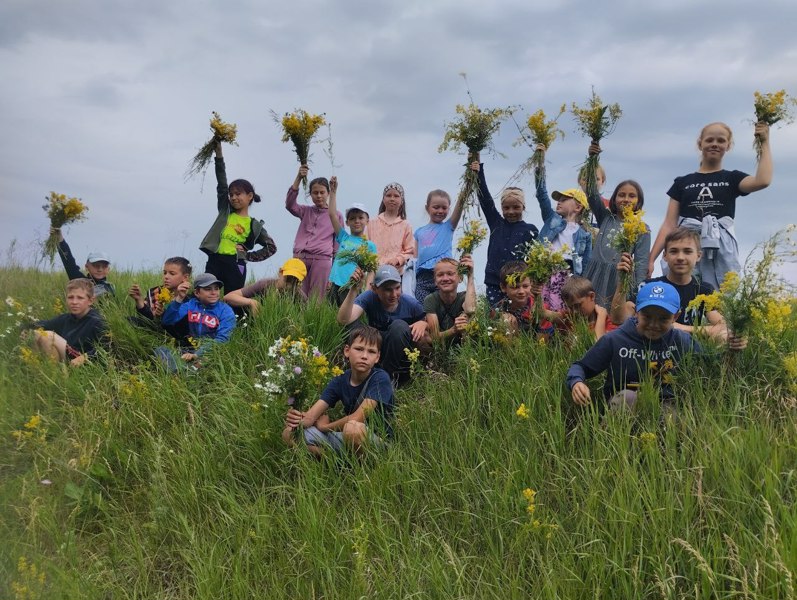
(390, 231)
(315, 240)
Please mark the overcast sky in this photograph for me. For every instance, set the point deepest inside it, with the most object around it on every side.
(109, 101)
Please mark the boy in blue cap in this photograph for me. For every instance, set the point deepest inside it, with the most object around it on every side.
(645, 344)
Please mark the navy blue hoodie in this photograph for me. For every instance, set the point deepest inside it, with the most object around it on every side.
(629, 357)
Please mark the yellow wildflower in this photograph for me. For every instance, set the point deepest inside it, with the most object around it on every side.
(522, 411)
(223, 132)
(164, 295)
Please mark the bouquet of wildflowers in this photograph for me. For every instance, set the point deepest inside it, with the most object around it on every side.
(473, 235)
(770, 109)
(362, 257)
(222, 132)
(298, 374)
(540, 131)
(299, 127)
(754, 299)
(61, 211)
(473, 128)
(595, 120)
(632, 229)
(542, 263)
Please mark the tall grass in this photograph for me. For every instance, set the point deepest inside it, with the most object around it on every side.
(167, 486)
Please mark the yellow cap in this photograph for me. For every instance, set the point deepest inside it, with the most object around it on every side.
(295, 268)
(574, 193)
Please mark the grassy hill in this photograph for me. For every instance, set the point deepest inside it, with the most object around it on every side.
(125, 482)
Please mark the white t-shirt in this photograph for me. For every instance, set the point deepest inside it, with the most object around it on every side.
(566, 237)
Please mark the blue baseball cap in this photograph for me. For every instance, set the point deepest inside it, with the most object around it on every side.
(658, 293)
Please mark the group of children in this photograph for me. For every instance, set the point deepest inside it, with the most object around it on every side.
(649, 326)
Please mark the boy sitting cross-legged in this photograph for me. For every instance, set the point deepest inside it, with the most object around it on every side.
(364, 391)
(210, 321)
(74, 336)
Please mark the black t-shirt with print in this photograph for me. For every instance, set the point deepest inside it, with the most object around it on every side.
(687, 292)
(701, 194)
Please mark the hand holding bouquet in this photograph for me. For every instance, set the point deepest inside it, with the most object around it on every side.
(770, 109)
(595, 120)
(61, 210)
(300, 127)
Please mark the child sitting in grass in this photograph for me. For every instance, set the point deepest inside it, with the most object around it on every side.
(74, 336)
(210, 321)
(516, 308)
(447, 311)
(291, 275)
(97, 266)
(366, 395)
(150, 306)
(578, 297)
(681, 253)
(647, 344)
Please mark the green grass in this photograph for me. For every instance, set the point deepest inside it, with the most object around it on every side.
(175, 487)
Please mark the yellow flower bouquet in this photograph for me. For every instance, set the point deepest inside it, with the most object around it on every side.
(772, 108)
(540, 130)
(222, 132)
(362, 257)
(299, 127)
(632, 228)
(473, 235)
(473, 128)
(61, 211)
(595, 120)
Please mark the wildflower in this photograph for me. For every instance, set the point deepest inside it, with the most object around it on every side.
(701, 305)
(413, 356)
(595, 120)
(474, 365)
(542, 262)
(473, 128)
(297, 370)
(530, 495)
(633, 228)
(362, 257)
(647, 439)
(61, 211)
(299, 127)
(522, 411)
(474, 234)
(540, 131)
(222, 132)
(164, 295)
(772, 108)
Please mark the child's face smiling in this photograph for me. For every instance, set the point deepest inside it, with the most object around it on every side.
(518, 295)
(207, 295)
(626, 196)
(714, 143)
(98, 270)
(653, 322)
(173, 276)
(319, 195)
(78, 303)
(682, 256)
(357, 222)
(361, 356)
(446, 277)
(438, 209)
(393, 201)
(512, 210)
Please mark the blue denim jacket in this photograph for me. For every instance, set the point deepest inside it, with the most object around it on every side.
(554, 225)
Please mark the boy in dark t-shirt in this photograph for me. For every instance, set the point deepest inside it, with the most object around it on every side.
(446, 309)
(681, 252)
(97, 266)
(365, 393)
(74, 336)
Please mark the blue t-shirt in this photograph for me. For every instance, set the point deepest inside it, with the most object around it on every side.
(379, 389)
(434, 242)
(408, 309)
(341, 272)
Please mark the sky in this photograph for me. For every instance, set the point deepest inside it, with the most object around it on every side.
(109, 101)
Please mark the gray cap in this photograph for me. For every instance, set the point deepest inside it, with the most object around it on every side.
(357, 206)
(97, 256)
(386, 273)
(206, 280)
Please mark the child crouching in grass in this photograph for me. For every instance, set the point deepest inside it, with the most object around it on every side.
(516, 308)
(74, 336)
(365, 393)
(578, 297)
(209, 320)
(647, 344)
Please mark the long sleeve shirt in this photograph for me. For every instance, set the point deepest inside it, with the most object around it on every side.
(83, 335)
(393, 240)
(101, 286)
(505, 238)
(207, 324)
(315, 235)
